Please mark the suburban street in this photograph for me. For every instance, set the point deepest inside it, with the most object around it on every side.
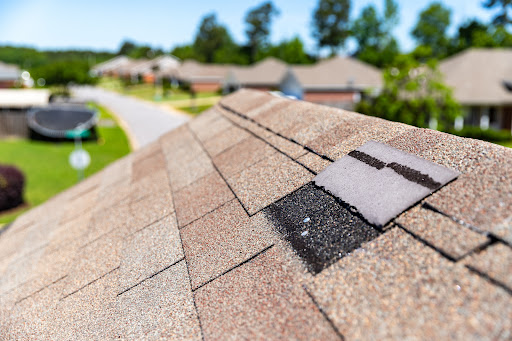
(143, 121)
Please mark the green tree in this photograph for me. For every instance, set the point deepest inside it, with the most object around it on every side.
(64, 72)
(126, 48)
(413, 93)
(373, 33)
(290, 51)
(210, 38)
(475, 34)
(184, 52)
(503, 18)
(430, 30)
(258, 21)
(331, 26)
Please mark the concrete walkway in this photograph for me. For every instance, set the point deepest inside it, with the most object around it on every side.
(144, 122)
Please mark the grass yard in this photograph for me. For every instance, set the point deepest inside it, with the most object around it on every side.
(506, 144)
(196, 110)
(45, 165)
(148, 91)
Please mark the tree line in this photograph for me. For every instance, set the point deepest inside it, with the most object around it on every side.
(332, 27)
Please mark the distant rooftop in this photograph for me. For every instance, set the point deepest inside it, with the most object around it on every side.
(220, 229)
(9, 72)
(338, 72)
(478, 76)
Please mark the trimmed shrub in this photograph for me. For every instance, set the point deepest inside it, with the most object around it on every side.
(490, 135)
(12, 182)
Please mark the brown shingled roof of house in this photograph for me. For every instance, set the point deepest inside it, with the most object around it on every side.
(338, 72)
(189, 238)
(267, 72)
(477, 75)
(191, 70)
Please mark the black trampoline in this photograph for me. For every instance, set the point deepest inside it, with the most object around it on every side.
(60, 122)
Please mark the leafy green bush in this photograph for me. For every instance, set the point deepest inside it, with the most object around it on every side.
(12, 182)
(483, 134)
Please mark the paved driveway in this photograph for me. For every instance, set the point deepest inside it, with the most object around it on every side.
(144, 121)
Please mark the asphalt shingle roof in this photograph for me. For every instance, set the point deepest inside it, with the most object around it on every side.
(217, 231)
(477, 76)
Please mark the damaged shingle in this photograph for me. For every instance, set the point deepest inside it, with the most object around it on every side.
(319, 228)
(381, 182)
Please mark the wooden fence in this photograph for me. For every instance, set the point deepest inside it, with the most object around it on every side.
(13, 123)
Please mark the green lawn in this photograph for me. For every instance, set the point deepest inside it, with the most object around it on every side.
(148, 91)
(46, 166)
(506, 144)
(196, 110)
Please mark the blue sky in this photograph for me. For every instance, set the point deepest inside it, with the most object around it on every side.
(103, 24)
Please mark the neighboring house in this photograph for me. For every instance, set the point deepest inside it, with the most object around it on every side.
(148, 70)
(481, 81)
(111, 67)
(337, 82)
(265, 75)
(130, 70)
(9, 75)
(201, 77)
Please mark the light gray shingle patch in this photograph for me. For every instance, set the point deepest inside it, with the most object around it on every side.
(149, 251)
(160, 308)
(381, 182)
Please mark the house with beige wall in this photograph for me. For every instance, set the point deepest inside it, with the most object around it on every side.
(481, 79)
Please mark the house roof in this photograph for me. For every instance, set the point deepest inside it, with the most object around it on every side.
(134, 66)
(477, 76)
(267, 72)
(9, 72)
(218, 230)
(162, 63)
(194, 71)
(338, 73)
(113, 64)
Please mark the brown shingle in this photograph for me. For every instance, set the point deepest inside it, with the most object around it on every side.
(440, 231)
(201, 197)
(260, 300)
(148, 251)
(94, 261)
(314, 162)
(221, 240)
(267, 181)
(395, 277)
(161, 307)
(495, 262)
(225, 140)
(241, 156)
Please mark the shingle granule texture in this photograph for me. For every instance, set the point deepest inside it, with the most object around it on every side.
(319, 228)
(217, 231)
